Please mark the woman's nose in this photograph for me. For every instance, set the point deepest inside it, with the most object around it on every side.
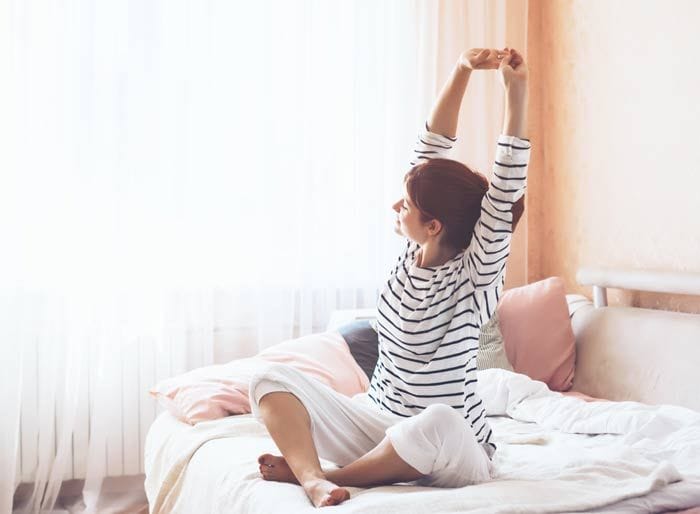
(396, 206)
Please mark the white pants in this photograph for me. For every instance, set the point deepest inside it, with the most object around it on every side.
(437, 442)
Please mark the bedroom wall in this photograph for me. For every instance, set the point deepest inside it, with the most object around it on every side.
(614, 178)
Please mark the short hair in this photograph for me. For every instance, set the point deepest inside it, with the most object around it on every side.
(450, 192)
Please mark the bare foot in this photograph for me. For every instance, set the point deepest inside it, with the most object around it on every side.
(323, 493)
(276, 469)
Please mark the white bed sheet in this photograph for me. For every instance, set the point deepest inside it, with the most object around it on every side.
(543, 466)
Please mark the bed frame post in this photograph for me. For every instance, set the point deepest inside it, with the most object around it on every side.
(600, 296)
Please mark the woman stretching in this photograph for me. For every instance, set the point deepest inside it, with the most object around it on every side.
(422, 420)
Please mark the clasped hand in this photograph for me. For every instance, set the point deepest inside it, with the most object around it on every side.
(510, 64)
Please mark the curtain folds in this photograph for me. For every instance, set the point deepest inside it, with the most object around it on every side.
(189, 182)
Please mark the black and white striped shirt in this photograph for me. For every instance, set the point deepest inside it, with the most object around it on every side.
(429, 318)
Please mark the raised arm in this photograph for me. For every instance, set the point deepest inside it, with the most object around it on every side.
(490, 245)
(513, 75)
(445, 113)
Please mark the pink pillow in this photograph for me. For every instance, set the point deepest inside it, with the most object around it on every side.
(218, 391)
(539, 341)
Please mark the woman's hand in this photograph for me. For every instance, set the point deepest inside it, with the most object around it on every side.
(481, 59)
(513, 71)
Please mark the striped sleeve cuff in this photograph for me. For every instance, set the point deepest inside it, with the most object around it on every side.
(431, 145)
(433, 137)
(515, 143)
(512, 156)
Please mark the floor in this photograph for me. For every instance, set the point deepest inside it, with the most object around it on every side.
(120, 495)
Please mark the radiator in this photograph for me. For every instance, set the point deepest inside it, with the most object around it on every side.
(131, 410)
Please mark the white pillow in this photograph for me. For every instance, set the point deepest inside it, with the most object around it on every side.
(492, 351)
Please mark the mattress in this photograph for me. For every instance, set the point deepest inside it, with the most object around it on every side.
(555, 454)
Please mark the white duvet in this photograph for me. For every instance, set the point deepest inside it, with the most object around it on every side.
(555, 454)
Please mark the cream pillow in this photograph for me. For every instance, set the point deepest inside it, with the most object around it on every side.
(492, 351)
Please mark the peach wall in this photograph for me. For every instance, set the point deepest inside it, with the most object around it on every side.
(614, 180)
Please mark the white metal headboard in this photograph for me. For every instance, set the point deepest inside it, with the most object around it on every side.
(673, 282)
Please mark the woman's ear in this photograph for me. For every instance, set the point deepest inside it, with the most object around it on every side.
(434, 227)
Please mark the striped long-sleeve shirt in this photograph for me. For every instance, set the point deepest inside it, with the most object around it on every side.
(429, 317)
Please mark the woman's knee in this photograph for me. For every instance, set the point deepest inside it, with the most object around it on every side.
(262, 386)
(441, 424)
(282, 407)
(422, 439)
(273, 401)
(271, 377)
(441, 416)
(272, 370)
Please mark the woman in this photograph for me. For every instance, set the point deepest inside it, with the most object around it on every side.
(422, 419)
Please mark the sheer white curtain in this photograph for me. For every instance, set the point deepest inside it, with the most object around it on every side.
(184, 183)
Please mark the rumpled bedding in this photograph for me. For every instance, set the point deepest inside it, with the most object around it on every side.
(555, 454)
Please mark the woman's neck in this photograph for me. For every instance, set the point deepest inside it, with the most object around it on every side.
(431, 255)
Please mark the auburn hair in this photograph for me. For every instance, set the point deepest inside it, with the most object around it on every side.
(451, 193)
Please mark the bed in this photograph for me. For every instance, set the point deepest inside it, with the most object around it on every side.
(557, 453)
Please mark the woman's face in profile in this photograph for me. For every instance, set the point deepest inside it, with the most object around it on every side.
(408, 220)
